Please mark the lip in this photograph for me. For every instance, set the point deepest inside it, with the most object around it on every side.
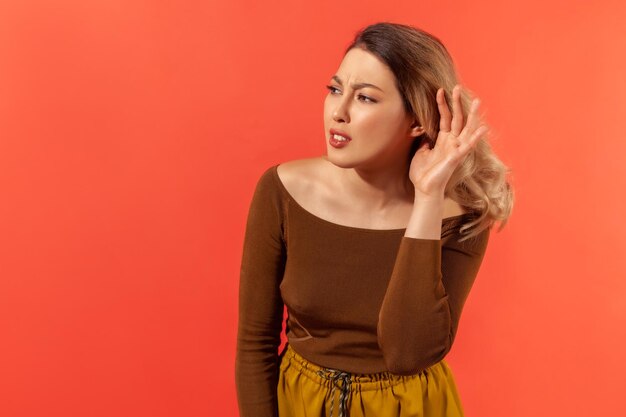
(339, 132)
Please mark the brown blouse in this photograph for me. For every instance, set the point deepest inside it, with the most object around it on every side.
(359, 300)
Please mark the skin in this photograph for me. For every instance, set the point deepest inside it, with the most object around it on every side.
(374, 161)
(372, 168)
(431, 169)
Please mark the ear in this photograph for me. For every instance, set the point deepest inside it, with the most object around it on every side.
(416, 129)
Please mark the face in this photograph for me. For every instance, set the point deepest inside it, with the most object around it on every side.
(371, 114)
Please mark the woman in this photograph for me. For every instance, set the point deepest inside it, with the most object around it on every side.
(372, 248)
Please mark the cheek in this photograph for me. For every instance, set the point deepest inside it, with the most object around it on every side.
(327, 110)
(379, 129)
(374, 123)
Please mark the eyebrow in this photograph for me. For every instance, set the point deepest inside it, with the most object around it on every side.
(356, 86)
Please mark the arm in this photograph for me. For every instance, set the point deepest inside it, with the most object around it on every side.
(260, 304)
(432, 276)
(431, 280)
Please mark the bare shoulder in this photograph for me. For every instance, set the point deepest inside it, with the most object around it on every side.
(452, 208)
(306, 180)
(300, 175)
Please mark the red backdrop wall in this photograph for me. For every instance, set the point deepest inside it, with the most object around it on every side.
(132, 135)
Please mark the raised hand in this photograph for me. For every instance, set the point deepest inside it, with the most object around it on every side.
(431, 169)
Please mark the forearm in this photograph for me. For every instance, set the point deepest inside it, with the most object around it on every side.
(256, 378)
(414, 320)
(426, 218)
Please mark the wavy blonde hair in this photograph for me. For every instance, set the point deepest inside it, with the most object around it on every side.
(422, 65)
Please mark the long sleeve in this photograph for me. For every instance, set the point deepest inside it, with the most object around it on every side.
(260, 303)
(420, 312)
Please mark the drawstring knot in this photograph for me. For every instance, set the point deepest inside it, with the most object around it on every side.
(335, 375)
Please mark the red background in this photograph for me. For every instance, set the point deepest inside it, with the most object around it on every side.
(132, 135)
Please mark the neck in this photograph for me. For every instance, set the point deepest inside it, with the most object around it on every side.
(379, 187)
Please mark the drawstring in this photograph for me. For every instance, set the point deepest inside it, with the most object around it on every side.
(334, 375)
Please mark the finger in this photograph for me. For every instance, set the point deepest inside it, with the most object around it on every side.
(457, 117)
(471, 142)
(473, 119)
(444, 111)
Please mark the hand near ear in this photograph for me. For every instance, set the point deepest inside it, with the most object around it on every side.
(431, 169)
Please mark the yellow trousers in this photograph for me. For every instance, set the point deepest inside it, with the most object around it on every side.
(306, 389)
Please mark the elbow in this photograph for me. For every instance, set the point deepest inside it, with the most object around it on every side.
(401, 361)
(411, 355)
(410, 346)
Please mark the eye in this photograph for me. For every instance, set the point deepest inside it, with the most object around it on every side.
(366, 99)
(371, 100)
(331, 89)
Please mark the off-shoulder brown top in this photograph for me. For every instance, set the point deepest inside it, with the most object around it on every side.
(359, 300)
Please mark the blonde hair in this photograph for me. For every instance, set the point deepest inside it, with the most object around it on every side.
(422, 65)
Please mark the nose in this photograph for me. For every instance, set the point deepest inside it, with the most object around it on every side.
(341, 114)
